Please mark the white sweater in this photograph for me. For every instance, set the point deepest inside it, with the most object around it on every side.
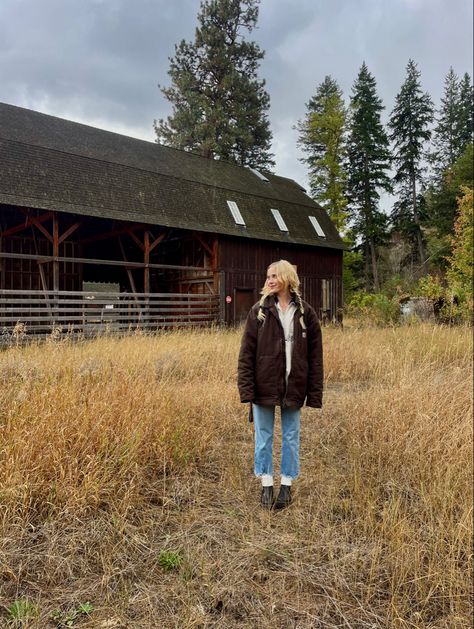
(286, 319)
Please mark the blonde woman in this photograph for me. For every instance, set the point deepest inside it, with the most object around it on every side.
(280, 364)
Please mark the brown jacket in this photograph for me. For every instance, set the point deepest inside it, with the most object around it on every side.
(262, 359)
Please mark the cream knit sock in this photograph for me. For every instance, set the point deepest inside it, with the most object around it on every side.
(267, 480)
(286, 480)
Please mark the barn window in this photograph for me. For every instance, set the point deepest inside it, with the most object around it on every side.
(317, 226)
(259, 175)
(279, 219)
(234, 208)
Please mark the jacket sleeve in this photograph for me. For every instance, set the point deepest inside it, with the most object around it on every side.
(247, 357)
(315, 362)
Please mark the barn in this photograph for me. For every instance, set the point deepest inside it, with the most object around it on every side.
(100, 229)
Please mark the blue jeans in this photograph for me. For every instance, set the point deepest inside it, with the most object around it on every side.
(264, 419)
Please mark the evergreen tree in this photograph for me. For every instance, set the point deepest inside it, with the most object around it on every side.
(442, 199)
(368, 163)
(465, 120)
(452, 158)
(450, 134)
(322, 138)
(410, 121)
(219, 105)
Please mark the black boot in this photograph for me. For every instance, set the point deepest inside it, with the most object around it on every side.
(284, 497)
(266, 499)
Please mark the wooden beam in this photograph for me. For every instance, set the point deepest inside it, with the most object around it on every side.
(2, 267)
(129, 272)
(131, 265)
(204, 244)
(69, 231)
(214, 265)
(55, 251)
(156, 241)
(44, 283)
(139, 243)
(146, 260)
(215, 253)
(112, 234)
(28, 223)
(34, 221)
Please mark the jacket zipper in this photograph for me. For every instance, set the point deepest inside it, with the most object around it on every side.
(284, 403)
(283, 349)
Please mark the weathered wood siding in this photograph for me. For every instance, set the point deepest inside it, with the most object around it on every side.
(243, 265)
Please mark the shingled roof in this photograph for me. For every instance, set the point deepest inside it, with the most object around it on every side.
(52, 163)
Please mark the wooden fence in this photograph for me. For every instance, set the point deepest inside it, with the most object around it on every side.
(33, 312)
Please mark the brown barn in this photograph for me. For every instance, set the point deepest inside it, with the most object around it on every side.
(97, 227)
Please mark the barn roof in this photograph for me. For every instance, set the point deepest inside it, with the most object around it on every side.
(51, 163)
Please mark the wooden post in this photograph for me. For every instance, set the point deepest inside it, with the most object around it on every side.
(55, 262)
(44, 283)
(129, 272)
(221, 293)
(55, 252)
(146, 274)
(214, 263)
(3, 263)
(146, 260)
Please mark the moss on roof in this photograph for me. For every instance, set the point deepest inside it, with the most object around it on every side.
(51, 163)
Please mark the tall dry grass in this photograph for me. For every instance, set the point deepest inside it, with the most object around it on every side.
(116, 451)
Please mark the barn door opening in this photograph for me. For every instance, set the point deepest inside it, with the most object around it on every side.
(243, 300)
(329, 300)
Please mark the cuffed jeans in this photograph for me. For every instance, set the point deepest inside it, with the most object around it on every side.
(264, 419)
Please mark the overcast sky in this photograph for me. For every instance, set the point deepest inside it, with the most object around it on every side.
(99, 61)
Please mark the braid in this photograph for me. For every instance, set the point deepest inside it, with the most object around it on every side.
(261, 315)
(299, 303)
(298, 299)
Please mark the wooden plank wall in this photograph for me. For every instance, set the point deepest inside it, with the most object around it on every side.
(88, 312)
(243, 264)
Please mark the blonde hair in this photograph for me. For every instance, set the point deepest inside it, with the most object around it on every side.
(287, 275)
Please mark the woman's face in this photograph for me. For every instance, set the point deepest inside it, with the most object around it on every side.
(273, 282)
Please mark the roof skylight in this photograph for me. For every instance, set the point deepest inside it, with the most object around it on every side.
(234, 208)
(279, 219)
(259, 174)
(317, 226)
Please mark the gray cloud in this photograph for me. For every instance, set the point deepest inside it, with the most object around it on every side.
(100, 61)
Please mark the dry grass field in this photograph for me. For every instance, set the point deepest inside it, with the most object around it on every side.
(128, 500)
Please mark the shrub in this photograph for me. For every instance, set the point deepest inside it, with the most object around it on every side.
(374, 308)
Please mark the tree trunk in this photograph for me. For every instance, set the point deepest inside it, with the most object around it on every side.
(419, 237)
(366, 265)
(374, 264)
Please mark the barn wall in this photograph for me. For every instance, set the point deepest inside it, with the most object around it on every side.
(25, 274)
(243, 265)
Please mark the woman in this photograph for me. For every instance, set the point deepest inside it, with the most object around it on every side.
(280, 364)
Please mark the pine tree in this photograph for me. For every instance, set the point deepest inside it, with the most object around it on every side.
(447, 137)
(453, 150)
(219, 105)
(368, 163)
(322, 138)
(465, 119)
(410, 124)
(442, 199)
